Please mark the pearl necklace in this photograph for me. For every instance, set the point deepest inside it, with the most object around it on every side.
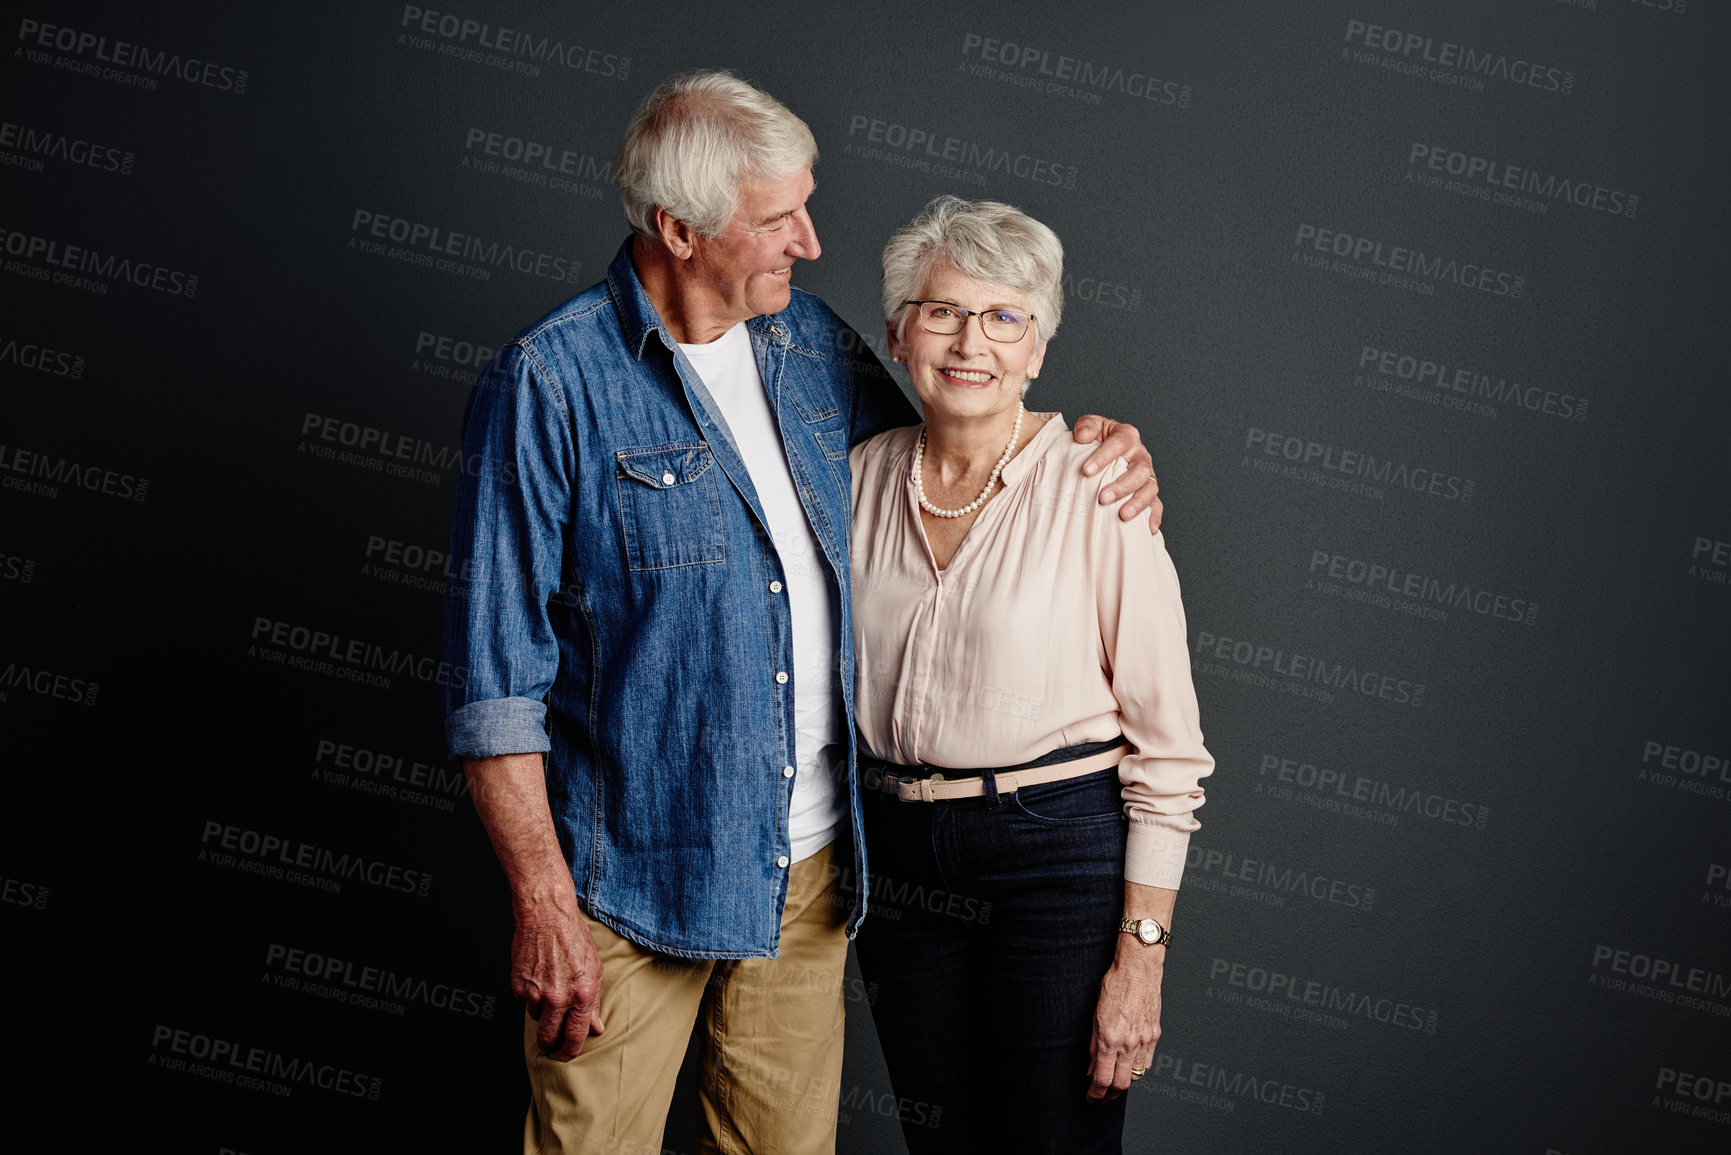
(920, 485)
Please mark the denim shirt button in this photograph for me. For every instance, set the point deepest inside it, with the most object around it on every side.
(787, 771)
(782, 861)
(781, 677)
(774, 587)
(666, 479)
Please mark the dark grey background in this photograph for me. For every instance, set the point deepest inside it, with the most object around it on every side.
(1189, 315)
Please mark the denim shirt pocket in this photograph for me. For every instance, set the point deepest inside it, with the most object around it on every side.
(669, 505)
(816, 394)
(833, 442)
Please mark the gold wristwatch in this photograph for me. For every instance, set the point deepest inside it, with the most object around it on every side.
(1148, 931)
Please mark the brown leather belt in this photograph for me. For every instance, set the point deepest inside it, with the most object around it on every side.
(937, 788)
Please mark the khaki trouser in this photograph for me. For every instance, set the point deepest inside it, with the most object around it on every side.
(771, 1033)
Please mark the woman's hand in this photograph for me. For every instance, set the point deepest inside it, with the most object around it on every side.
(1127, 1018)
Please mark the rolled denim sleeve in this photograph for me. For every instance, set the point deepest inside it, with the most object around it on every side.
(507, 551)
(497, 726)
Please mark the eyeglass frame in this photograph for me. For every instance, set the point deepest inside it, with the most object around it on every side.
(967, 313)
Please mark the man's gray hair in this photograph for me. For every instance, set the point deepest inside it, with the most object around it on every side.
(986, 240)
(696, 140)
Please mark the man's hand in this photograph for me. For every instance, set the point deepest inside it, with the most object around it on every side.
(556, 973)
(1119, 439)
(555, 968)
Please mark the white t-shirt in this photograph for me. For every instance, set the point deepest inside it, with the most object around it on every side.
(729, 372)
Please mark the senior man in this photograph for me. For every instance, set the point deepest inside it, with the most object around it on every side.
(657, 725)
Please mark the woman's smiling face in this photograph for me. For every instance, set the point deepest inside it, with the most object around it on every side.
(967, 374)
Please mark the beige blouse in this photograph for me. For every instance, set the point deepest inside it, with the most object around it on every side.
(1055, 624)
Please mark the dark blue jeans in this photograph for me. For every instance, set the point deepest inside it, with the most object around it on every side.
(991, 924)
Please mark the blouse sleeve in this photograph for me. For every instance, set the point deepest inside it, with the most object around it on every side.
(1144, 640)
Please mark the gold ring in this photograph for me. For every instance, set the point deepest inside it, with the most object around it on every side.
(1138, 1072)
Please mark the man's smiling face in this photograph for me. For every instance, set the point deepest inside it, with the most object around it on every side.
(749, 267)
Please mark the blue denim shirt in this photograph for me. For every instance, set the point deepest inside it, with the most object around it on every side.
(621, 610)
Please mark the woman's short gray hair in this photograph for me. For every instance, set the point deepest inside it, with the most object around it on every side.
(986, 240)
(696, 140)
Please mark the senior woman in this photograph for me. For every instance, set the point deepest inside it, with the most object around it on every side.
(1028, 726)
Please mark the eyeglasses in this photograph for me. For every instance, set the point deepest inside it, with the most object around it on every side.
(947, 319)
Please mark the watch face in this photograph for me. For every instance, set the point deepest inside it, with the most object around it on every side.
(1149, 931)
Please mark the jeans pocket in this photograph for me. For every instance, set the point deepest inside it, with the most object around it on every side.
(1091, 798)
(669, 506)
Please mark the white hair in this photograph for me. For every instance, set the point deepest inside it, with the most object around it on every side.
(696, 140)
(986, 240)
